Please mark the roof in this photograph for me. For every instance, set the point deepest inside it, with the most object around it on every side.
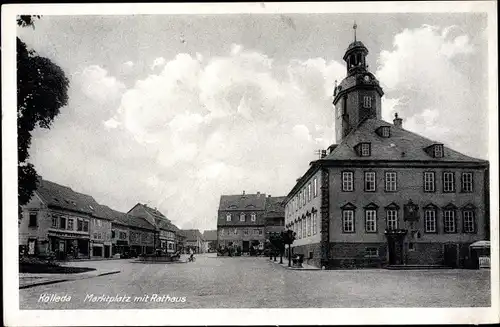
(192, 234)
(132, 221)
(275, 207)
(55, 195)
(167, 225)
(243, 202)
(210, 235)
(402, 145)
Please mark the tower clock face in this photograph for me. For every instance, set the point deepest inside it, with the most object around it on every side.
(367, 78)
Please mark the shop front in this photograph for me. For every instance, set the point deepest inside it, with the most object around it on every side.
(66, 245)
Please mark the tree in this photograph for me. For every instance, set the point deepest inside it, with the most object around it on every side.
(42, 89)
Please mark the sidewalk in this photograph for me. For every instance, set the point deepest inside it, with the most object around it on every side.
(305, 266)
(30, 280)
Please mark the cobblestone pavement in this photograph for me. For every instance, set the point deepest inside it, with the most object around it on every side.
(247, 282)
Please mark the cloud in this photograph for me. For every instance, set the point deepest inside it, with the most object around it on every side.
(199, 128)
(158, 62)
(426, 84)
(97, 85)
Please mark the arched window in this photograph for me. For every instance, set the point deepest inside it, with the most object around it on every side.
(242, 216)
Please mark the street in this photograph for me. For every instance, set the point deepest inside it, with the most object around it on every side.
(249, 282)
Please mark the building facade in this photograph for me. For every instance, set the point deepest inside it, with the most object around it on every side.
(194, 240)
(384, 195)
(274, 215)
(210, 240)
(57, 220)
(241, 221)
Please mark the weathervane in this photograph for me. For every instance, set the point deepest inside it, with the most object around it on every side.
(354, 27)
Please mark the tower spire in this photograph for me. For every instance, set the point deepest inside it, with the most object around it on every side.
(354, 27)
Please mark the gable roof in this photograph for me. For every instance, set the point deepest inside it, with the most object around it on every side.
(243, 202)
(402, 145)
(275, 207)
(210, 235)
(63, 197)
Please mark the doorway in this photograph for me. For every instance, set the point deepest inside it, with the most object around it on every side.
(395, 250)
(106, 251)
(246, 246)
(450, 255)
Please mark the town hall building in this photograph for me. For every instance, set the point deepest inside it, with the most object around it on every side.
(384, 195)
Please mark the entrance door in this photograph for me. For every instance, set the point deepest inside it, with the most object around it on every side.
(246, 246)
(106, 251)
(450, 255)
(395, 247)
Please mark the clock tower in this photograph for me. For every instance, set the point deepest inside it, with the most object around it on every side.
(358, 96)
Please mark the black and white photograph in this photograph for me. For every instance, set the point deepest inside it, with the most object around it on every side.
(277, 163)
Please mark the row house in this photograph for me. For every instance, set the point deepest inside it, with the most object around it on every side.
(384, 195)
(210, 240)
(167, 237)
(59, 220)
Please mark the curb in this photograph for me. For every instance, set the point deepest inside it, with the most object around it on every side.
(67, 279)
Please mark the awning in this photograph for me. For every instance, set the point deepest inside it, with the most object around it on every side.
(481, 245)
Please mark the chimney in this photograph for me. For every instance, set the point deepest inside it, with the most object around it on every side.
(398, 122)
(269, 196)
(323, 154)
(243, 192)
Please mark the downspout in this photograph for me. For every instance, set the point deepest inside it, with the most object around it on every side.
(325, 218)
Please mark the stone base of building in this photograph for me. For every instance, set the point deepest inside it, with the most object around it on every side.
(343, 255)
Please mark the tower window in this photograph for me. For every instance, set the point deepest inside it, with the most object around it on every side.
(367, 101)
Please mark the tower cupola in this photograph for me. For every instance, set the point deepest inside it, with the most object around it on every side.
(355, 56)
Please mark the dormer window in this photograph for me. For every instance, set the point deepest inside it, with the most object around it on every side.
(384, 131)
(436, 150)
(363, 149)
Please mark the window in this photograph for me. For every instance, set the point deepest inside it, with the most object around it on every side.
(228, 217)
(54, 222)
(384, 131)
(390, 181)
(255, 231)
(304, 227)
(315, 187)
(429, 181)
(99, 236)
(365, 149)
(347, 181)
(449, 221)
(467, 182)
(371, 221)
(448, 182)
(95, 235)
(315, 222)
(70, 224)
(309, 226)
(438, 151)
(367, 102)
(32, 219)
(309, 192)
(235, 231)
(242, 216)
(253, 216)
(392, 219)
(469, 221)
(260, 231)
(370, 181)
(113, 235)
(62, 223)
(348, 221)
(430, 221)
(79, 226)
(371, 252)
(299, 199)
(245, 232)
(300, 229)
(304, 197)
(99, 222)
(85, 225)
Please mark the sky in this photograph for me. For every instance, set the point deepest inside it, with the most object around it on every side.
(176, 110)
